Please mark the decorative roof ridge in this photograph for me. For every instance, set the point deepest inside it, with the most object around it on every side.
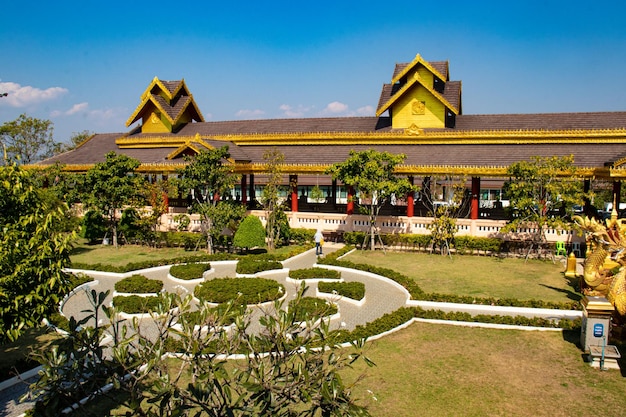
(418, 60)
(416, 79)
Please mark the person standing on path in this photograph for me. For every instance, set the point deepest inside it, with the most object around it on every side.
(319, 239)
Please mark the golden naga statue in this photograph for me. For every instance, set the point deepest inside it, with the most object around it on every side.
(604, 269)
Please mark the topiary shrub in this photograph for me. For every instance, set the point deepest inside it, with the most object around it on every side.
(254, 265)
(310, 307)
(243, 290)
(354, 290)
(312, 273)
(138, 284)
(250, 233)
(134, 304)
(189, 271)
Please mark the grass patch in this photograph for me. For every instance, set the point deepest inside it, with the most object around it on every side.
(460, 371)
(85, 253)
(478, 276)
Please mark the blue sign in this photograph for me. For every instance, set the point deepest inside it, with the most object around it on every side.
(598, 330)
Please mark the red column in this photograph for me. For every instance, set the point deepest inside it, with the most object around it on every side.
(475, 198)
(350, 205)
(244, 191)
(293, 184)
(410, 204)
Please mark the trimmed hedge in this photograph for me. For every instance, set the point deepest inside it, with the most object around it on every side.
(253, 265)
(189, 271)
(138, 284)
(461, 244)
(134, 304)
(312, 273)
(302, 236)
(354, 290)
(243, 290)
(311, 307)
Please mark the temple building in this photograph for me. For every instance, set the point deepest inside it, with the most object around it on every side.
(419, 114)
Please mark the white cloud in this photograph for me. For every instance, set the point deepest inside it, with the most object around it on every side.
(289, 111)
(365, 111)
(249, 114)
(22, 96)
(335, 108)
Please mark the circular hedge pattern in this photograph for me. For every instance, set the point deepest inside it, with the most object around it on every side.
(189, 271)
(134, 304)
(244, 290)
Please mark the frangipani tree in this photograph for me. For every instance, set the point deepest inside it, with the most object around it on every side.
(373, 173)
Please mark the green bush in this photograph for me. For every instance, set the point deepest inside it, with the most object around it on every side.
(308, 308)
(93, 227)
(250, 233)
(134, 304)
(354, 290)
(138, 284)
(312, 273)
(221, 315)
(189, 271)
(243, 290)
(302, 236)
(249, 265)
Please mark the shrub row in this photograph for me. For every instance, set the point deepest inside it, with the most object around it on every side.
(392, 320)
(309, 307)
(189, 271)
(462, 244)
(354, 290)
(418, 294)
(312, 273)
(138, 284)
(243, 290)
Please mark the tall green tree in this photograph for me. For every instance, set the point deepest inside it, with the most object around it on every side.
(274, 160)
(34, 249)
(372, 173)
(112, 185)
(542, 192)
(27, 140)
(207, 176)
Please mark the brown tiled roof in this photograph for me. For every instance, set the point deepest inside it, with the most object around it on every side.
(543, 121)
(265, 126)
(171, 85)
(174, 109)
(442, 68)
(452, 93)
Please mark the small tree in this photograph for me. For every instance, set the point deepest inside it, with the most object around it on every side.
(112, 185)
(33, 252)
(250, 233)
(372, 173)
(274, 160)
(27, 139)
(206, 177)
(542, 192)
(445, 212)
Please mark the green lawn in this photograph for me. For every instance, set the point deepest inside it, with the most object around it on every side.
(442, 370)
(107, 254)
(479, 276)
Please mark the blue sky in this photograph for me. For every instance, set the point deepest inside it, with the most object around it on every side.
(83, 65)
